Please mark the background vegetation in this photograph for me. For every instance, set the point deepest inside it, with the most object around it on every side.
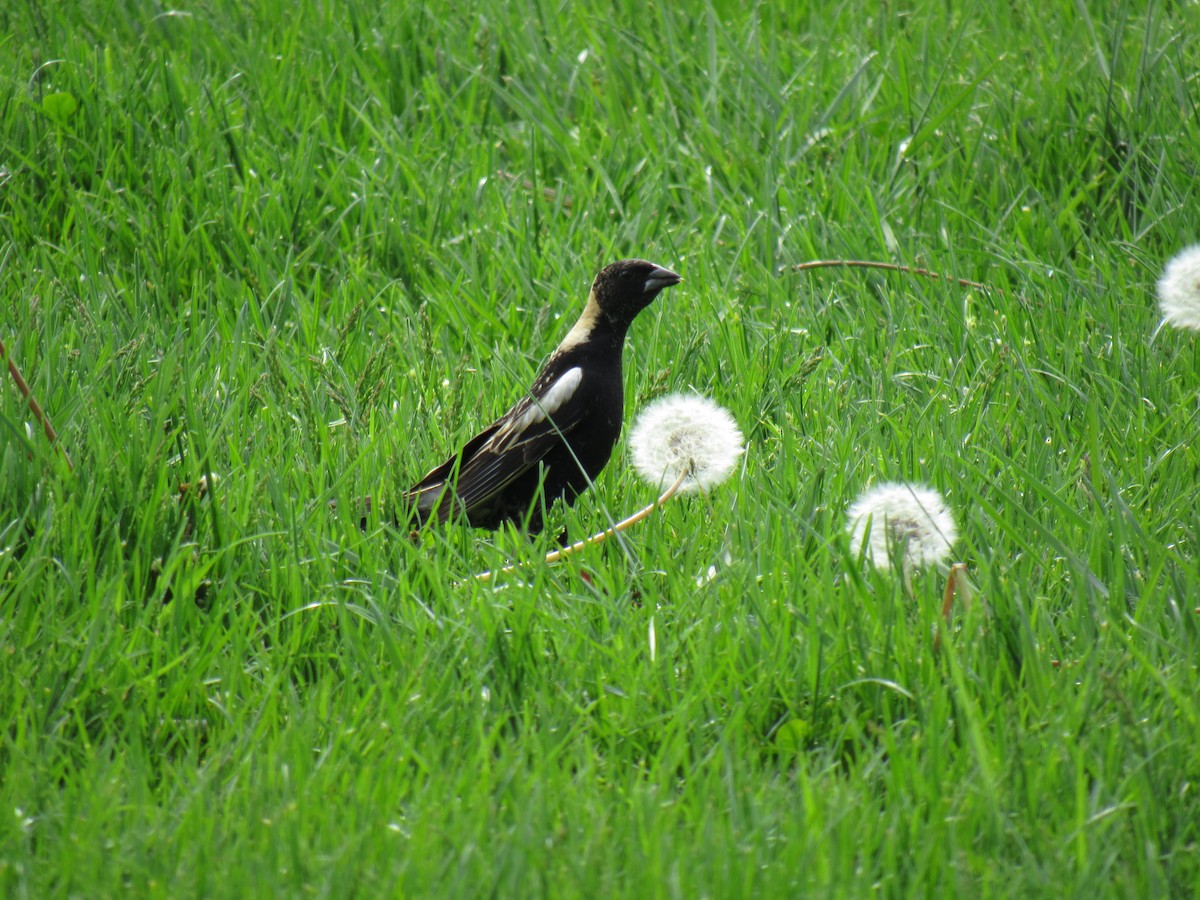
(311, 246)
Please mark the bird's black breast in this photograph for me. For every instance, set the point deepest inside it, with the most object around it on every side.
(590, 425)
(589, 444)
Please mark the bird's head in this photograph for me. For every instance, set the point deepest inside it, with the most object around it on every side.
(623, 289)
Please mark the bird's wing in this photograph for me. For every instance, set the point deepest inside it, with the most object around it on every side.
(425, 493)
(505, 451)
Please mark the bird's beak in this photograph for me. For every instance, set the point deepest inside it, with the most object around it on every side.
(660, 278)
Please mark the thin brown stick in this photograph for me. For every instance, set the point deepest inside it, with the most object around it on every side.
(955, 582)
(951, 586)
(598, 538)
(34, 406)
(890, 267)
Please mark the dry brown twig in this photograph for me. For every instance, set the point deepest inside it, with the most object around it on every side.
(34, 406)
(890, 267)
(956, 583)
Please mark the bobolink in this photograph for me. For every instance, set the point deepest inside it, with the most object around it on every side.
(560, 435)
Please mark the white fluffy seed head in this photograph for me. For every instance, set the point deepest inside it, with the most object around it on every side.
(1179, 290)
(908, 523)
(680, 434)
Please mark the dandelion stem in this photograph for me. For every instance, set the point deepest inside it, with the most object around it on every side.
(600, 537)
(955, 583)
(891, 267)
(948, 594)
(34, 406)
(628, 522)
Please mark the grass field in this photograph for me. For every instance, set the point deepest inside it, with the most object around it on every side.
(311, 247)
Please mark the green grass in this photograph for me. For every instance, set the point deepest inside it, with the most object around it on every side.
(311, 247)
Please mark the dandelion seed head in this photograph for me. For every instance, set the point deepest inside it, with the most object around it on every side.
(906, 522)
(1179, 290)
(680, 434)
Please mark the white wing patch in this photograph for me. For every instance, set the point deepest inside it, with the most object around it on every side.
(538, 408)
(551, 402)
(562, 390)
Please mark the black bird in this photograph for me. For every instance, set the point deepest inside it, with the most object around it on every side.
(560, 435)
